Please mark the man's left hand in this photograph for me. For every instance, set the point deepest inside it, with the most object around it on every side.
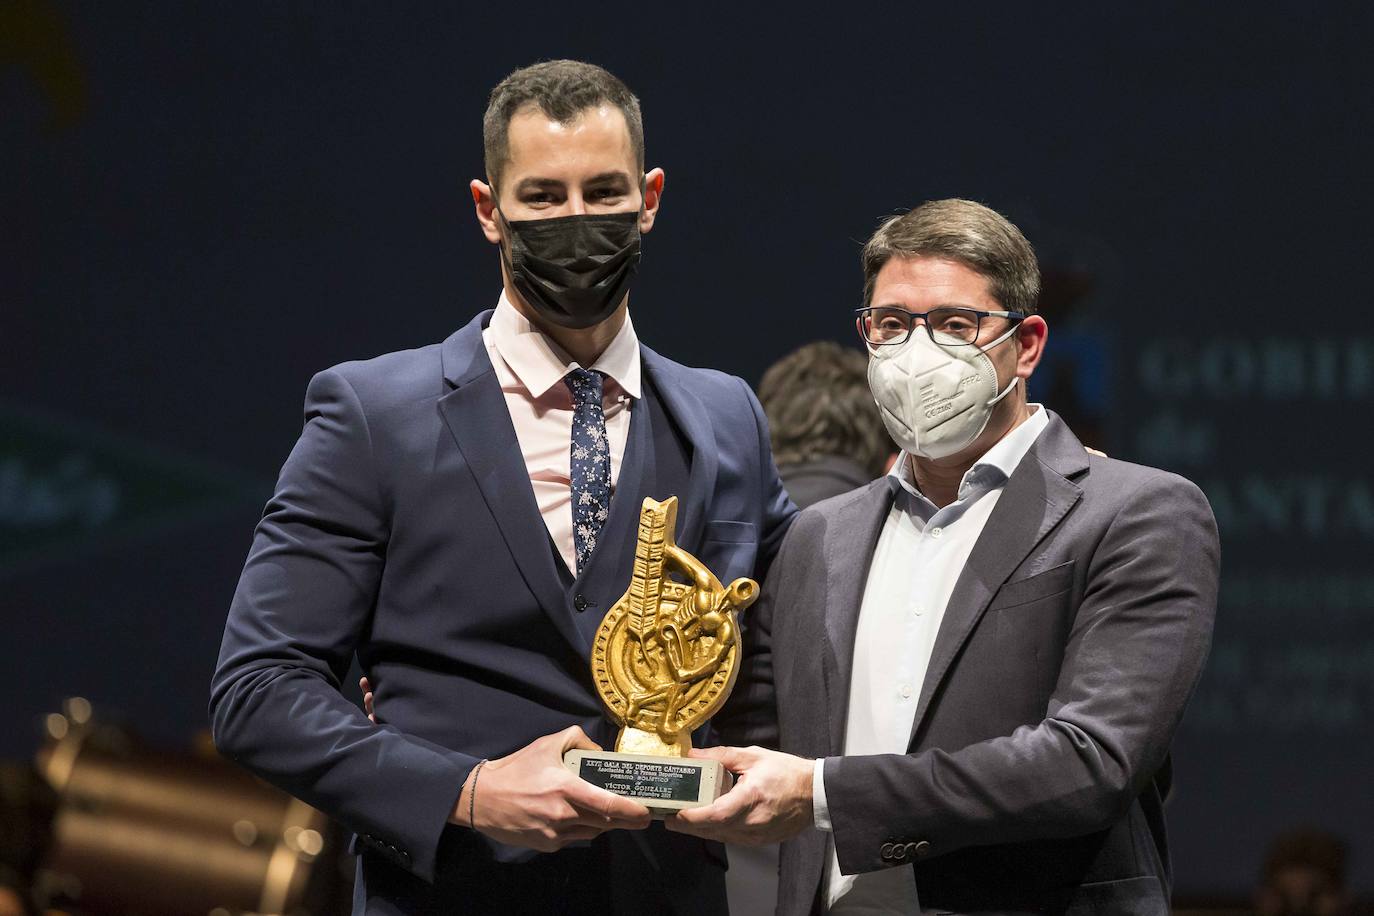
(770, 801)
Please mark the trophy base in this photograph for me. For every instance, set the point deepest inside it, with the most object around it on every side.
(661, 784)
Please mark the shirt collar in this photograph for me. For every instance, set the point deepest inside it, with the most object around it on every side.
(1003, 457)
(539, 363)
(996, 465)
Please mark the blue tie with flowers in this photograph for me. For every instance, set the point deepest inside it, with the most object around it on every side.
(590, 462)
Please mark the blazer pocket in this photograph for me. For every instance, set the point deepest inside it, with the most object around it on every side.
(1143, 896)
(728, 531)
(728, 548)
(1054, 581)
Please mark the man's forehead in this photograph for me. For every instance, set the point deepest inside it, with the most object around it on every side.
(595, 140)
(914, 273)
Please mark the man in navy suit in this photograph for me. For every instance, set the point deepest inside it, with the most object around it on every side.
(462, 515)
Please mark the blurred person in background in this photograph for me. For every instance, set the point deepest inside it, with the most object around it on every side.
(1304, 875)
(827, 434)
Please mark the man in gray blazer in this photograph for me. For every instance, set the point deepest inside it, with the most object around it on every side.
(973, 666)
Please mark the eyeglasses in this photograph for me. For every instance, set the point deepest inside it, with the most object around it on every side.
(883, 325)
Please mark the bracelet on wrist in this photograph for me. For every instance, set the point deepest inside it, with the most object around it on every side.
(472, 794)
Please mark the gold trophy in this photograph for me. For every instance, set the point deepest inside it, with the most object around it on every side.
(664, 661)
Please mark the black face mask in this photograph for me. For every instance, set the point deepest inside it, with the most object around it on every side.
(573, 270)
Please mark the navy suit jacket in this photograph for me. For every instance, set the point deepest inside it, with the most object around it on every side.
(404, 528)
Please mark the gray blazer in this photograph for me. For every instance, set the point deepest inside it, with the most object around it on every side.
(1037, 768)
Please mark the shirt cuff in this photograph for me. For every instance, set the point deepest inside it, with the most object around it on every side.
(819, 810)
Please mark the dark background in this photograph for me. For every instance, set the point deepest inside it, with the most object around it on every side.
(203, 204)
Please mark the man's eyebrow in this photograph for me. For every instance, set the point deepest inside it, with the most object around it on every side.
(609, 177)
(942, 305)
(538, 184)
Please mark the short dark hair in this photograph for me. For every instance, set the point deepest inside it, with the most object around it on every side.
(562, 89)
(976, 236)
(818, 404)
(1307, 847)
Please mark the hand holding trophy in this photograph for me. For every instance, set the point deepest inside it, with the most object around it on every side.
(664, 661)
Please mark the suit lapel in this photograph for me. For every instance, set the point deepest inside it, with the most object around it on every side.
(1036, 497)
(691, 417)
(850, 541)
(477, 418)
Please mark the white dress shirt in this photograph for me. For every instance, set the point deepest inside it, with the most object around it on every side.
(920, 555)
(530, 368)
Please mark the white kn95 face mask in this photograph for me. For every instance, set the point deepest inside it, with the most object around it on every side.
(935, 400)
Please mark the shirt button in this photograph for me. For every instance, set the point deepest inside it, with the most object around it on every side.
(936, 532)
(918, 610)
(906, 691)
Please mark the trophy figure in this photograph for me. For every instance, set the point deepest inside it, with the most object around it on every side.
(664, 661)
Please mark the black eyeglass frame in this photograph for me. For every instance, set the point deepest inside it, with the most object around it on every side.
(925, 323)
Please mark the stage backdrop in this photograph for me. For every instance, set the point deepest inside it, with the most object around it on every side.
(202, 205)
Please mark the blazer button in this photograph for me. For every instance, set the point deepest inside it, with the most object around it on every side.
(580, 602)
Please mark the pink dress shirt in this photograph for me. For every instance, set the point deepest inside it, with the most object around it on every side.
(530, 368)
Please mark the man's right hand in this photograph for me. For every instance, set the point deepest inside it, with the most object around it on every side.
(367, 699)
(530, 799)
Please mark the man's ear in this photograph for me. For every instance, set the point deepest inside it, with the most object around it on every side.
(484, 203)
(653, 194)
(1031, 336)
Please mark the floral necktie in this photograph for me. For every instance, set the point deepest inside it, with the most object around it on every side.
(590, 456)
